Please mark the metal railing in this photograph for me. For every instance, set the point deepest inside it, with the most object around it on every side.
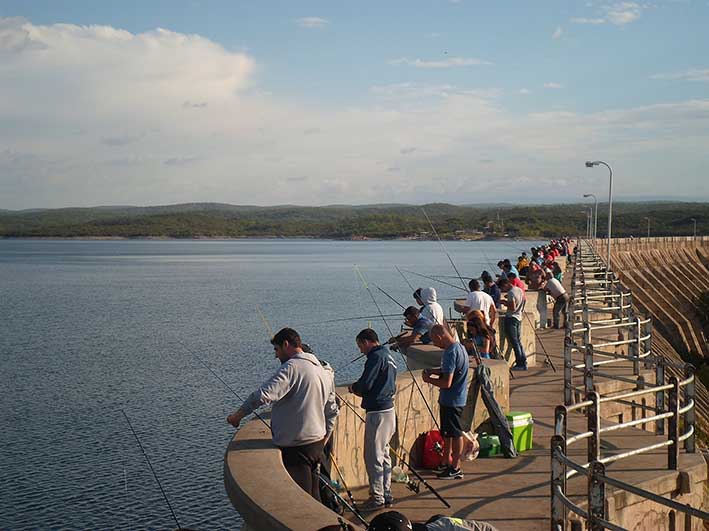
(603, 330)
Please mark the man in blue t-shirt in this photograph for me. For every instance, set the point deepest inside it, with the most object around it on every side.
(420, 327)
(452, 379)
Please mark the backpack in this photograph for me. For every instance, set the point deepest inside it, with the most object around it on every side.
(428, 449)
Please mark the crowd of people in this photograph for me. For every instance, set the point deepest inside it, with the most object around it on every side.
(302, 391)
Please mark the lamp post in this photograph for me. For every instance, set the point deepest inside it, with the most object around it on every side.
(694, 235)
(648, 226)
(591, 164)
(595, 218)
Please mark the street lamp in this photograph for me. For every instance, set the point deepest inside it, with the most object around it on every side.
(591, 164)
(695, 227)
(595, 219)
(648, 226)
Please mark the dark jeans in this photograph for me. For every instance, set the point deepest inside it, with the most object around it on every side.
(560, 306)
(302, 464)
(513, 328)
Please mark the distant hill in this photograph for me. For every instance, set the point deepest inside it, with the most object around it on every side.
(214, 220)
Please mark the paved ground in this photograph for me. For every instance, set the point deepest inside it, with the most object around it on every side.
(514, 494)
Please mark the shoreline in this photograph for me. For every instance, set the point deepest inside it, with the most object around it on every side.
(265, 237)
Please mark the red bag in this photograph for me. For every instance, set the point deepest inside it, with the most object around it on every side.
(432, 449)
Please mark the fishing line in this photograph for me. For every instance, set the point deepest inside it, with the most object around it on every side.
(152, 469)
(404, 277)
(456, 286)
(406, 363)
(343, 319)
(390, 297)
(465, 286)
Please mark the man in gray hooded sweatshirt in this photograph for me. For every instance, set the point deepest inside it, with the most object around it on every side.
(304, 409)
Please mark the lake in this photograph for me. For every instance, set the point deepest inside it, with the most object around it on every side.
(90, 328)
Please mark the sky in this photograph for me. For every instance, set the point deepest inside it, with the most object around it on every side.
(323, 102)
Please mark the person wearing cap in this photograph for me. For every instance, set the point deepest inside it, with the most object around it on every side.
(377, 386)
(420, 326)
(304, 409)
(396, 521)
(561, 299)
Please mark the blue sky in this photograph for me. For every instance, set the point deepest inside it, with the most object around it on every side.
(344, 102)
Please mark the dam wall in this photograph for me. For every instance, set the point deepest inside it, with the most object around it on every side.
(664, 275)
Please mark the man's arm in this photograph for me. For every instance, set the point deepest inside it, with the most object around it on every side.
(331, 411)
(271, 391)
(365, 382)
(492, 312)
(444, 380)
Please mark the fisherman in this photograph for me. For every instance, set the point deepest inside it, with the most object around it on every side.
(431, 309)
(561, 299)
(479, 300)
(452, 379)
(377, 386)
(396, 521)
(491, 288)
(420, 328)
(515, 303)
(304, 409)
(515, 280)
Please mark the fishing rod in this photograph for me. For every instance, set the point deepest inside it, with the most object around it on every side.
(390, 297)
(548, 359)
(343, 319)
(465, 286)
(410, 485)
(404, 277)
(391, 334)
(323, 480)
(342, 478)
(167, 501)
(456, 286)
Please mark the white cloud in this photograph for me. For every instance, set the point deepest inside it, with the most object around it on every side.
(622, 13)
(451, 62)
(312, 22)
(693, 74)
(524, 91)
(117, 130)
(583, 20)
(557, 33)
(618, 14)
(553, 85)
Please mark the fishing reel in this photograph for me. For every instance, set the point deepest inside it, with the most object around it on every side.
(414, 486)
(438, 448)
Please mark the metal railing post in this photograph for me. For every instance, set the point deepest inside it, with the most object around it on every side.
(558, 482)
(568, 372)
(660, 395)
(689, 442)
(596, 496)
(637, 330)
(588, 369)
(673, 422)
(593, 416)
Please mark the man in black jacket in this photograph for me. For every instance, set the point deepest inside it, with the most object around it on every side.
(376, 386)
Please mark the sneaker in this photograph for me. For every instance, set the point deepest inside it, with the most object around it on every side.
(519, 368)
(370, 505)
(440, 468)
(451, 473)
(388, 501)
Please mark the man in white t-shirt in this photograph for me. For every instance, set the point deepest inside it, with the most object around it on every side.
(515, 302)
(479, 300)
(561, 299)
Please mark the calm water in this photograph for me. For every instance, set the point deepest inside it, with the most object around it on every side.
(92, 327)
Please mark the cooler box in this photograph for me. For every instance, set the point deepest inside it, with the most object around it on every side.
(522, 426)
(489, 445)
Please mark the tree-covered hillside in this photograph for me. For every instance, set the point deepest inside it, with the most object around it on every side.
(197, 220)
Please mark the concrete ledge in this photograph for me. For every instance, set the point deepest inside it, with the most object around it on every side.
(260, 488)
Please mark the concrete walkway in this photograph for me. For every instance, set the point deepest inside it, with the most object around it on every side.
(514, 494)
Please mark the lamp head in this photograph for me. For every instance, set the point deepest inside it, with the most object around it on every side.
(587, 195)
(591, 164)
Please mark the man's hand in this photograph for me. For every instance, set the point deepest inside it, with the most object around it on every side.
(235, 418)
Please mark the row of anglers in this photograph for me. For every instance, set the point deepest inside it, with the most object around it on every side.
(305, 404)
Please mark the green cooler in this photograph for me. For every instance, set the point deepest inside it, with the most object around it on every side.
(522, 426)
(489, 445)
